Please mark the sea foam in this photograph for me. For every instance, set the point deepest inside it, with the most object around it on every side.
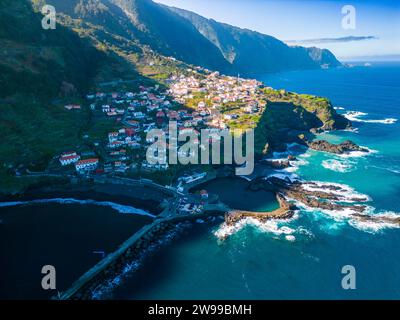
(344, 192)
(338, 166)
(356, 115)
(117, 207)
(270, 226)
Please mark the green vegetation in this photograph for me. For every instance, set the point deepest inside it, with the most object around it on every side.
(96, 42)
(288, 116)
(197, 98)
(319, 106)
(245, 121)
(32, 134)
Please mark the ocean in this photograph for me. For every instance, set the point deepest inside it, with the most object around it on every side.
(70, 234)
(297, 259)
(303, 258)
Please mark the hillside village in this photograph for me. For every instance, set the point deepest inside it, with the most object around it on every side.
(196, 100)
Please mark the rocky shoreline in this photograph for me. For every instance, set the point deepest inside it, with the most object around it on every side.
(104, 282)
(329, 197)
(342, 148)
(321, 197)
(285, 211)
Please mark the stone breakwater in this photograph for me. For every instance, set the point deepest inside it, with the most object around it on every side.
(100, 280)
(285, 211)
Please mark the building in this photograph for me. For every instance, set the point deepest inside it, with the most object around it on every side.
(106, 108)
(160, 117)
(73, 107)
(204, 194)
(113, 136)
(154, 167)
(116, 144)
(87, 165)
(68, 158)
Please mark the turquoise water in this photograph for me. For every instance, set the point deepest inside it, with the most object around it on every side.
(303, 258)
(234, 193)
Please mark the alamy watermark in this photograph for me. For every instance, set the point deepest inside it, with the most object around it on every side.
(349, 19)
(188, 146)
(49, 20)
(349, 280)
(49, 280)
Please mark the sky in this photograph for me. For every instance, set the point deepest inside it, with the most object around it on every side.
(376, 31)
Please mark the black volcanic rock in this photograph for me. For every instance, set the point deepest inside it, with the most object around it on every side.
(344, 147)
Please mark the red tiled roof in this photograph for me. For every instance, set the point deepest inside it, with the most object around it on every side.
(87, 161)
(65, 158)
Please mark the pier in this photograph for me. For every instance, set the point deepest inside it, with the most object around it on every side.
(133, 248)
(114, 263)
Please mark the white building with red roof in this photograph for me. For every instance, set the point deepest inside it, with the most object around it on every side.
(68, 158)
(87, 165)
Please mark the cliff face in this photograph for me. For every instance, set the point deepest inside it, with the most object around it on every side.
(194, 39)
(39, 61)
(291, 117)
(249, 51)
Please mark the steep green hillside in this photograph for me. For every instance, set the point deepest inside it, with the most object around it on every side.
(290, 116)
(192, 38)
(40, 71)
(39, 61)
(249, 51)
(102, 40)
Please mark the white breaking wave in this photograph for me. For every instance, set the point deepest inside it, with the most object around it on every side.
(292, 150)
(296, 164)
(118, 207)
(290, 237)
(273, 227)
(283, 175)
(376, 225)
(339, 108)
(349, 195)
(338, 166)
(354, 130)
(356, 115)
(270, 226)
(344, 192)
(387, 169)
(357, 154)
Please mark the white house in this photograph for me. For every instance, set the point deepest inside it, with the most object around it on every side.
(86, 165)
(68, 158)
(113, 136)
(106, 108)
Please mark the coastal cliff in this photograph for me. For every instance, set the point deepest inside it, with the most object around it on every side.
(290, 117)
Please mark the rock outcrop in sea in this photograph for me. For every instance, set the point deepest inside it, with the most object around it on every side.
(342, 148)
(323, 196)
